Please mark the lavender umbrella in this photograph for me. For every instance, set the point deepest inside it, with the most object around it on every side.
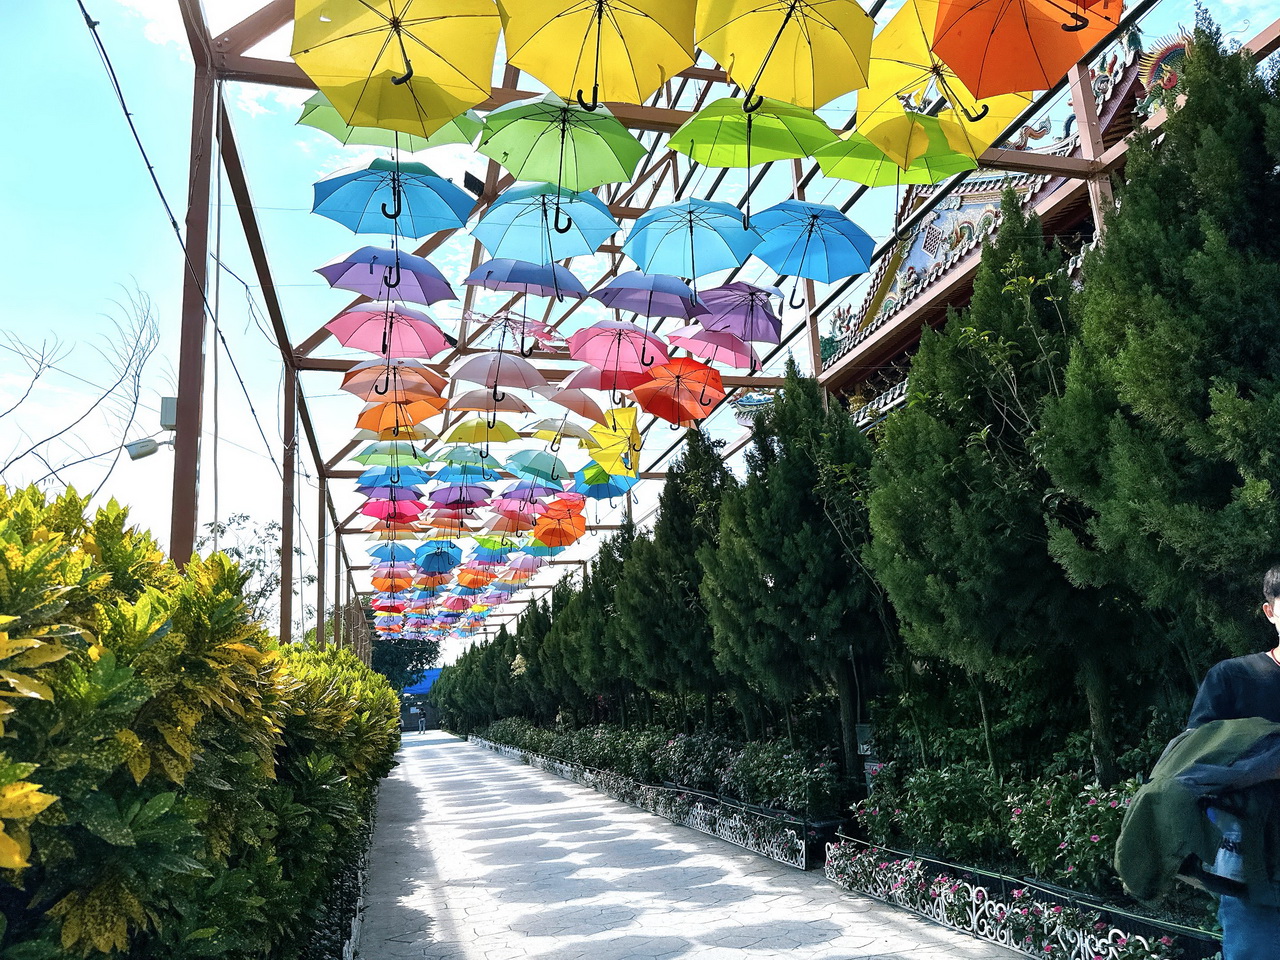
(653, 295)
(381, 274)
(531, 279)
(744, 310)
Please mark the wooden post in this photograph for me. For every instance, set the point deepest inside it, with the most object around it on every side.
(338, 632)
(1085, 106)
(286, 507)
(321, 524)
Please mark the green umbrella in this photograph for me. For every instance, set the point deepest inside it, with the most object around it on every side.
(551, 141)
(318, 112)
(854, 157)
(722, 135)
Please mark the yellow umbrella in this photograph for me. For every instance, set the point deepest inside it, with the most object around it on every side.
(480, 431)
(619, 442)
(903, 66)
(620, 50)
(908, 137)
(407, 65)
(806, 52)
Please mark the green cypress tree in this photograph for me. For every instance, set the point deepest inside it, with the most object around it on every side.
(1165, 439)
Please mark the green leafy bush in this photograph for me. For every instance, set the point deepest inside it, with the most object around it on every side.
(171, 785)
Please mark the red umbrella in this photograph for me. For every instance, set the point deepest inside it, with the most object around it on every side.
(681, 392)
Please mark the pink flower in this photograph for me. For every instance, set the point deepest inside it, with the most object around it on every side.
(1113, 803)
(1017, 810)
(1121, 941)
(1095, 838)
(1062, 845)
(1166, 941)
(1092, 802)
(1057, 909)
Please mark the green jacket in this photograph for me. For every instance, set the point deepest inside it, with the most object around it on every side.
(1229, 764)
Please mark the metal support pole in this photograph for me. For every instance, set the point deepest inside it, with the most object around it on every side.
(322, 513)
(286, 507)
(339, 635)
(1085, 106)
(186, 446)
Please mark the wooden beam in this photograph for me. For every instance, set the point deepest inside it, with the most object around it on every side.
(1024, 161)
(252, 29)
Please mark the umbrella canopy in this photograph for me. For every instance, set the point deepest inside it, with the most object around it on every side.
(620, 441)
(1011, 46)
(464, 455)
(652, 295)
(743, 309)
(531, 279)
(390, 453)
(398, 416)
(319, 113)
(522, 223)
(398, 476)
(621, 50)
(717, 346)
(722, 134)
(551, 141)
(482, 432)
(595, 482)
(383, 274)
(854, 157)
(538, 465)
(460, 494)
(560, 531)
(593, 378)
(389, 329)
(813, 240)
(497, 369)
(806, 52)
(911, 137)
(482, 400)
(407, 65)
(690, 238)
(571, 396)
(397, 380)
(612, 345)
(681, 392)
(555, 431)
(389, 196)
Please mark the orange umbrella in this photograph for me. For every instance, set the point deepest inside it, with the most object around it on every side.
(397, 416)
(560, 531)
(1012, 46)
(681, 392)
(475, 578)
(558, 509)
(439, 580)
(508, 524)
(395, 380)
(392, 584)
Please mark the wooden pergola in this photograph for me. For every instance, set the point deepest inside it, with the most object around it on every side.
(225, 57)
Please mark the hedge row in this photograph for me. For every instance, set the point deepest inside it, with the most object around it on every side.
(171, 784)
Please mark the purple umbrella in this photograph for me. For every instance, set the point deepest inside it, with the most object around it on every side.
(531, 279)
(744, 310)
(382, 274)
(460, 495)
(653, 295)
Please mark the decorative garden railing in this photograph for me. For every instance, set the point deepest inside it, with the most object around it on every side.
(777, 837)
(1014, 914)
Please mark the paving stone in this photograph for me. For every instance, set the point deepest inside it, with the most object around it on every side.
(480, 857)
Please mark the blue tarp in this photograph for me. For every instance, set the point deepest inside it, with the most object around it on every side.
(423, 685)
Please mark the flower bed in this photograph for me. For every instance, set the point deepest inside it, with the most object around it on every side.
(1024, 917)
(777, 836)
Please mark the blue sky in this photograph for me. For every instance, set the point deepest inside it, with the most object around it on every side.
(73, 178)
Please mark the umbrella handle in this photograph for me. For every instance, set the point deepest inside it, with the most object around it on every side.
(1079, 22)
(392, 278)
(555, 444)
(492, 419)
(568, 224)
(634, 448)
(394, 212)
(594, 105)
(408, 71)
(498, 396)
(532, 347)
(703, 399)
(975, 117)
(647, 361)
(791, 301)
(752, 102)
(382, 388)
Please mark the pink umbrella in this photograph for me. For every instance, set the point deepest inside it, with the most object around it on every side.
(617, 345)
(390, 330)
(525, 562)
(716, 346)
(571, 397)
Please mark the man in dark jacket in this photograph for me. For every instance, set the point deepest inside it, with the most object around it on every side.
(1244, 687)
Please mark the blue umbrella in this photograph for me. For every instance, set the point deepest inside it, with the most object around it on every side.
(405, 476)
(537, 548)
(388, 196)
(690, 238)
(531, 279)
(395, 552)
(603, 489)
(437, 557)
(812, 240)
(520, 223)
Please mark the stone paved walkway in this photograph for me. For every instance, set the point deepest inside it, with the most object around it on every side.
(479, 857)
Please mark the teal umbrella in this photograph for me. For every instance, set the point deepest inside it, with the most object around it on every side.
(319, 113)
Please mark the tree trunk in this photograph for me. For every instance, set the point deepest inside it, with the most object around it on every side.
(847, 688)
(747, 710)
(1097, 690)
(986, 726)
(790, 736)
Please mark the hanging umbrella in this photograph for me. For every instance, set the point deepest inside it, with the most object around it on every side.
(464, 455)
(614, 345)
(911, 137)
(393, 476)
(621, 50)
(460, 495)
(571, 397)
(520, 223)
(806, 52)
(479, 431)
(1012, 46)
(904, 70)
(482, 400)
(560, 531)
(392, 330)
(509, 326)
(854, 157)
(538, 465)
(319, 113)
(597, 483)
(690, 238)
(494, 370)
(652, 295)
(813, 240)
(681, 392)
(398, 379)
(508, 525)
(723, 134)
(400, 416)
(620, 441)
(530, 490)
(530, 279)
(407, 65)
(555, 431)
(389, 196)
(390, 493)
(717, 346)
(390, 453)
(548, 140)
(382, 274)
(395, 511)
(745, 310)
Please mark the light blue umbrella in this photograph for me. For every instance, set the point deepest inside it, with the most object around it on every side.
(691, 238)
(521, 224)
(394, 552)
(390, 196)
(601, 485)
(812, 240)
